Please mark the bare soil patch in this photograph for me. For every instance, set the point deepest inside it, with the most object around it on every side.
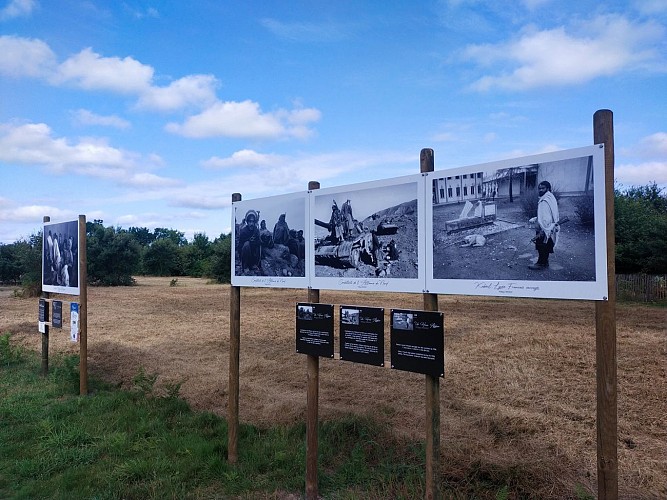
(518, 392)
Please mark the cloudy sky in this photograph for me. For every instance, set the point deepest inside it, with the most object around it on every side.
(151, 114)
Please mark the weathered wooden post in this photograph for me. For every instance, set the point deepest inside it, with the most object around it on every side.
(234, 351)
(312, 403)
(605, 329)
(83, 312)
(45, 333)
(427, 164)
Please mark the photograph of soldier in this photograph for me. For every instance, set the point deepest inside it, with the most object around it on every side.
(262, 252)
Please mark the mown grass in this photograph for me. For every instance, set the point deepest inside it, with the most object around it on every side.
(139, 444)
(148, 443)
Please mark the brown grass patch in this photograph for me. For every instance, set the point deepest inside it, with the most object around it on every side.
(517, 400)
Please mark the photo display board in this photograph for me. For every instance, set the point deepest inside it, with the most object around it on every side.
(527, 227)
(369, 236)
(362, 334)
(269, 241)
(60, 257)
(418, 342)
(315, 329)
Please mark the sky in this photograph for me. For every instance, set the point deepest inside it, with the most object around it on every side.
(152, 113)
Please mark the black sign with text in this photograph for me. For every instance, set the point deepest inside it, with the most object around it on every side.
(57, 319)
(418, 342)
(315, 329)
(43, 310)
(362, 334)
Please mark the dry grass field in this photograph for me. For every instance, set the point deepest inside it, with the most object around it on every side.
(518, 397)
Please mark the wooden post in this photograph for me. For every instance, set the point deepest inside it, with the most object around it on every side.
(312, 403)
(83, 308)
(605, 329)
(45, 334)
(427, 164)
(234, 353)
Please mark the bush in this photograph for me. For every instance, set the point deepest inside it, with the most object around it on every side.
(585, 209)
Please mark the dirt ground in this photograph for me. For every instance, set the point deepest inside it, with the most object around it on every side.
(508, 250)
(518, 392)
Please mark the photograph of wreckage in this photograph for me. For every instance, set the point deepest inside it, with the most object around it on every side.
(367, 236)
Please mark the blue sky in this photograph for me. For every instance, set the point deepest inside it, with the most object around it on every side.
(151, 114)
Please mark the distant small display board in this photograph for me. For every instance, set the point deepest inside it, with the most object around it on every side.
(418, 342)
(362, 334)
(57, 319)
(315, 329)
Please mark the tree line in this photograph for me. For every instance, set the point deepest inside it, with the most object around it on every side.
(116, 254)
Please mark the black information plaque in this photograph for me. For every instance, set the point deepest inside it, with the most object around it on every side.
(315, 329)
(362, 334)
(418, 342)
(57, 318)
(43, 310)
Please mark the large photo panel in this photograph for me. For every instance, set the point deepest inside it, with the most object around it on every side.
(269, 241)
(369, 236)
(525, 227)
(60, 257)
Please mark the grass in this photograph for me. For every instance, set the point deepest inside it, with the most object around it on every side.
(137, 444)
(148, 443)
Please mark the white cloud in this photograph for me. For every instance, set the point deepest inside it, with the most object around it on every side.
(650, 7)
(305, 32)
(34, 213)
(246, 120)
(193, 90)
(90, 71)
(649, 165)
(244, 158)
(21, 57)
(33, 144)
(639, 174)
(85, 117)
(605, 46)
(17, 8)
(654, 145)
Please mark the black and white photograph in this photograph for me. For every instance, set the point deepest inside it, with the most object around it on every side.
(349, 316)
(402, 320)
(269, 241)
(530, 227)
(367, 236)
(304, 312)
(60, 257)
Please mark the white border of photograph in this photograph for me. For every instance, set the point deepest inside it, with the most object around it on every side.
(592, 289)
(367, 199)
(72, 230)
(295, 206)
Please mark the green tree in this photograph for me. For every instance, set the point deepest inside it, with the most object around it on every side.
(10, 265)
(221, 259)
(113, 256)
(641, 230)
(197, 256)
(178, 238)
(163, 258)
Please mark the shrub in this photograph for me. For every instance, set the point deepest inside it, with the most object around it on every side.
(585, 209)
